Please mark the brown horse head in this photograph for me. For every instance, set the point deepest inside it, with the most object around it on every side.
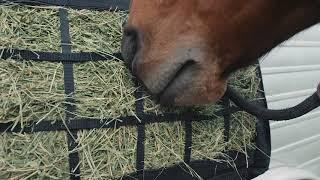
(184, 50)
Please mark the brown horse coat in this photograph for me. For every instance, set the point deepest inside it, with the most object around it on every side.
(184, 50)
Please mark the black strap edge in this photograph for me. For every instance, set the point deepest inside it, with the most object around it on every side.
(309, 104)
(181, 171)
(226, 118)
(69, 88)
(140, 151)
(77, 4)
(262, 112)
(92, 123)
(79, 57)
(73, 157)
(187, 141)
(139, 109)
(262, 153)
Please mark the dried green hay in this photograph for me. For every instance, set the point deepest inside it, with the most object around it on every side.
(107, 153)
(164, 144)
(209, 144)
(33, 156)
(29, 28)
(31, 91)
(103, 89)
(242, 132)
(95, 31)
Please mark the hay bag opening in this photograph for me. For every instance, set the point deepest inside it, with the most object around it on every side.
(32, 91)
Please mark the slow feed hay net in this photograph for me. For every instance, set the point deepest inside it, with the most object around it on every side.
(35, 92)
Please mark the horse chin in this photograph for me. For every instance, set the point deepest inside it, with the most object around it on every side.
(189, 88)
(188, 95)
(174, 90)
(179, 85)
(186, 100)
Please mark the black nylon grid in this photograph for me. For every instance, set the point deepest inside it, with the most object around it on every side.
(226, 118)
(72, 135)
(78, 4)
(78, 124)
(80, 57)
(140, 152)
(263, 144)
(87, 123)
(187, 141)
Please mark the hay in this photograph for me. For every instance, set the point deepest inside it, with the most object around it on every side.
(103, 89)
(31, 91)
(29, 28)
(164, 144)
(208, 145)
(107, 153)
(33, 156)
(95, 31)
(34, 91)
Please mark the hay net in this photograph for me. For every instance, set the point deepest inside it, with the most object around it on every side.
(110, 133)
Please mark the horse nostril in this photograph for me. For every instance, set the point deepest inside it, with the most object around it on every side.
(129, 46)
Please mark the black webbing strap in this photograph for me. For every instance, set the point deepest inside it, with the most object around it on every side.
(262, 112)
(187, 141)
(261, 93)
(87, 123)
(226, 117)
(69, 91)
(306, 106)
(78, 4)
(206, 169)
(80, 57)
(140, 130)
(263, 138)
